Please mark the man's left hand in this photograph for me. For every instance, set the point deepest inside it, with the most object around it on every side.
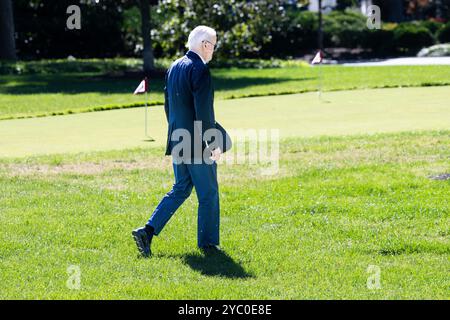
(215, 156)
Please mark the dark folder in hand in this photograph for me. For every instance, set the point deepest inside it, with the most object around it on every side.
(225, 141)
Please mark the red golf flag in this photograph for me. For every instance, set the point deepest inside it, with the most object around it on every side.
(142, 87)
(318, 58)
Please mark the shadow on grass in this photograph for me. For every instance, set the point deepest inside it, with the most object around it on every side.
(76, 84)
(71, 84)
(218, 264)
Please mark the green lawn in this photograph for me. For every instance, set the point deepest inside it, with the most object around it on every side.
(340, 112)
(62, 93)
(356, 188)
(338, 205)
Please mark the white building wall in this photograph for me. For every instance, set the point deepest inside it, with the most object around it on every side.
(364, 5)
(327, 5)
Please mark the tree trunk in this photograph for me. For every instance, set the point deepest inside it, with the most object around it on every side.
(395, 11)
(439, 9)
(7, 41)
(320, 32)
(149, 59)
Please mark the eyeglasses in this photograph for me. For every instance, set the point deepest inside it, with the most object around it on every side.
(214, 45)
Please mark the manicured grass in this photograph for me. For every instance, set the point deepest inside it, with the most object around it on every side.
(354, 189)
(337, 205)
(40, 95)
(343, 112)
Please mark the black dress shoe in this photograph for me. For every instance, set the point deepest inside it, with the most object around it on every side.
(143, 242)
(211, 249)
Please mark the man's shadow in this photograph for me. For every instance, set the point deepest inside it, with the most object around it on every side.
(216, 264)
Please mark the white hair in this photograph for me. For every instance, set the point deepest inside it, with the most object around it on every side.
(199, 34)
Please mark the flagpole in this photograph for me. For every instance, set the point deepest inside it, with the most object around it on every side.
(143, 88)
(146, 135)
(320, 81)
(146, 105)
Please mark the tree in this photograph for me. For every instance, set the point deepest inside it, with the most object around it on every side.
(7, 42)
(443, 9)
(344, 4)
(41, 29)
(149, 59)
(243, 27)
(145, 32)
(395, 10)
(439, 9)
(320, 31)
(41, 33)
(392, 10)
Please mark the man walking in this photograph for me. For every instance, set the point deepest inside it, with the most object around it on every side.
(189, 97)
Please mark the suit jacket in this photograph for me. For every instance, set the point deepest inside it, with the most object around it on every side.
(189, 97)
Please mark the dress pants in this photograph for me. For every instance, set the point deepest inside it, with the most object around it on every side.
(204, 178)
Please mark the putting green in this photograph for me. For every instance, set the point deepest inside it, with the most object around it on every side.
(339, 113)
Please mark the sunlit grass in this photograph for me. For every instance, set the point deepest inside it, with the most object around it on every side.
(340, 112)
(40, 95)
(338, 205)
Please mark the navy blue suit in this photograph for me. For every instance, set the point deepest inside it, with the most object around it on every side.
(189, 96)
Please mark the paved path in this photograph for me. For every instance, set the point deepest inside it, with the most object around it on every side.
(412, 61)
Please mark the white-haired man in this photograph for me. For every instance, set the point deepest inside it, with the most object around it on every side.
(189, 98)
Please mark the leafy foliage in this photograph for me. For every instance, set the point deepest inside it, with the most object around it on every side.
(258, 29)
(345, 29)
(411, 38)
(444, 33)
(244, 27)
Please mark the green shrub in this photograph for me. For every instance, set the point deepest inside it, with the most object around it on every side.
(345, 29)
(444, 33)
(105, 66)
(303, 30)
(410, 38)
(297, 33)
(70, 66)
(380, 41)
(432, 26)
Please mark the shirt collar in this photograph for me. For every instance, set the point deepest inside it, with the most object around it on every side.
(195, 54)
